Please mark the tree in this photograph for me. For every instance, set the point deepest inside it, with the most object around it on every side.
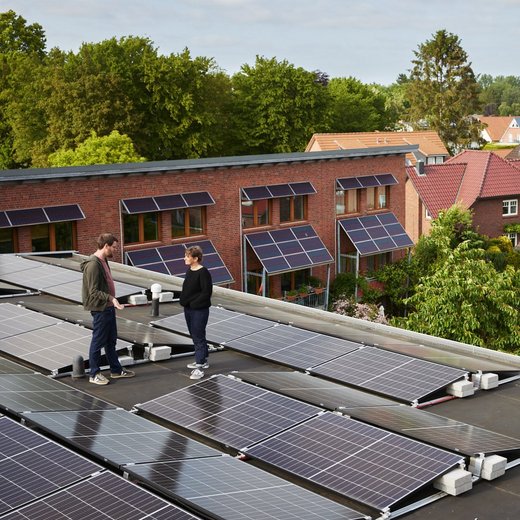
(500, 95)
(355, 107)
(17, 36)
(277, 106)
(108, 149)
(465, 299)
(443, 91)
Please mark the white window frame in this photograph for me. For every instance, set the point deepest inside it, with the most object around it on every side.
(509, 207)
(513, 237)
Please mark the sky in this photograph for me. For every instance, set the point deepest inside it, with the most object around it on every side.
(371, 40)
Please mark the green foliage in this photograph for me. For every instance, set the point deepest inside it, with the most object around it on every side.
(17, 36)
(277, 107)
(110, 149)
(443, 91)
(344, 287)
(465, 299)
(499, 95)
(356, 107)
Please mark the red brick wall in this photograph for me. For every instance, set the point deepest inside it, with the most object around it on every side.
(99, 198)
(488, 219)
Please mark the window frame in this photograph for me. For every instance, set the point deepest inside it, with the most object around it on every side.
(13, 240)
(187, 226)
(292, 204)
(509, 203)
(140, 227)
(376, 198)
(254, 205)
(51, 226)
(347, 207)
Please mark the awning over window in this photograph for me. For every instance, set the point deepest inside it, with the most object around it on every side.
(44, 215)
(170, 260)
(278, 190)
(167, 202)
(375, 234)
(289, 249)
(366, 181)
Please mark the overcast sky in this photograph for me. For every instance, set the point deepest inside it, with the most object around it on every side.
(371, 40)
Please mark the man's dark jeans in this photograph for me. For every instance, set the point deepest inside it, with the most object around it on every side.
(104, 335)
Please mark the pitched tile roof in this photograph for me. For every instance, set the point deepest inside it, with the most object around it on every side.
(439, 186)
(496, 126)
(429, 142)
(468, 176)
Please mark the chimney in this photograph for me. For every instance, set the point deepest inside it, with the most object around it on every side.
(419, 166)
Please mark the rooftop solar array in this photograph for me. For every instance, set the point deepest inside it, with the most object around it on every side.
(167, 202)
(21, 393)
(362, 462)
(10, 367)
(223, 325)
(366, 181)
(385, 413)
(58, 281)
(16, 320)
(278, 190)
(228, 411)
(119, 437)
(52, 348)
(376, 234)
(225, 487)
(45, 215)
(292, 346)
(170, 260)
(105, 496)
(289, 249)
(32, 466)
(395, 375)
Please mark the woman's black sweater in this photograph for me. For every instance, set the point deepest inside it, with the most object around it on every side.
(197, 289)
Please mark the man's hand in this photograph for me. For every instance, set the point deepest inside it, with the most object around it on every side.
(117, 305)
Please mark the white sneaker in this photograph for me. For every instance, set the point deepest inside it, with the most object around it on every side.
(197, 374)
(99, 379)
(198, 365)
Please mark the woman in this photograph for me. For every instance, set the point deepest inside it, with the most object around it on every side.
(196, 300)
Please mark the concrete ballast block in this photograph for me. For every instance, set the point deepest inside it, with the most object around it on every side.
(455, 482)
(166, 297)
(461, 388)
(138, 299)
(488, 381)
(160, 353)
(494, 466)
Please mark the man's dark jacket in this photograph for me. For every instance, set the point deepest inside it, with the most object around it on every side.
(95, 286)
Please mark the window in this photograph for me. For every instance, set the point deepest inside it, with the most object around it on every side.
(427, 214)
(60, 236)
(513, 238)
(7, 241)
(510, 207)
(293, 208)
(294, 279)
(347, 202)
(376, 262)
(256, 213)
(377, 198)
(347, 264)
(140, 227)
(188, 222)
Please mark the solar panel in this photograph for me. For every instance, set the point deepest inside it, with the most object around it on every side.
(12, 263)
(396, 375)
(4, 221)
(119, 437)
(228, 411)
(44, 215)
(278, 190)
(292, 346)
(10, 367)
(316, 391)
(167, 202)
(360, 461)
(52, 348)
(237, 491)
(104, 496)
(170, 260)
(289, 249)
(350, 183)
(223, 325)
(434, 429)
(20, 393)
(376, 233)
(42, 276)
(32, 466)
(15, 320)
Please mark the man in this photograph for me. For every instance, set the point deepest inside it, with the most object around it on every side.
(197, 289)
(99, 297)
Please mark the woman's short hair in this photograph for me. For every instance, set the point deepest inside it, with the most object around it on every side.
(194, 252)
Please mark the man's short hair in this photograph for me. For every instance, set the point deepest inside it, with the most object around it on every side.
(105, 239)
(194, 252)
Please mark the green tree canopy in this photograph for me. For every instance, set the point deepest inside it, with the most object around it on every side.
(17, 36)
(500, 95)
(443, 91)
(109, 149)
(356, 107)
(277, 106)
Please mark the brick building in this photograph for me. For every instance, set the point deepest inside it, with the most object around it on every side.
(310, 209)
